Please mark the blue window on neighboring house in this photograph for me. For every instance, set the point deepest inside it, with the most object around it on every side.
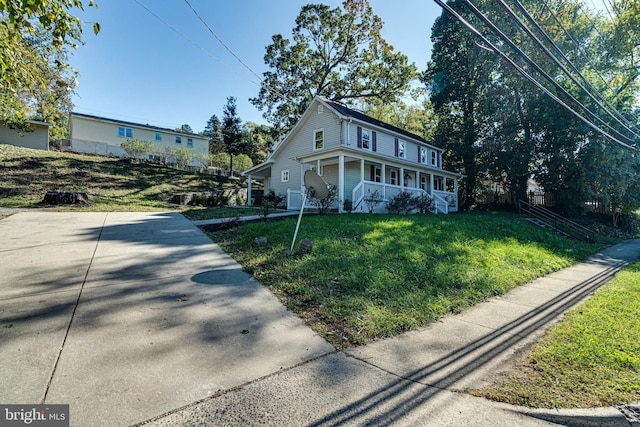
(158, 137)
(189, 142)
(178, 140)
(125, 132)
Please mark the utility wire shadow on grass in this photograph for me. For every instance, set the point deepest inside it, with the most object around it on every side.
(463, 362)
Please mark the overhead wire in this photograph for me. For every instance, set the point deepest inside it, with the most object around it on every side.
(206, 52)
(613, 114)
(219, 39)
(520, 70)
(584, 52)
(535, 65)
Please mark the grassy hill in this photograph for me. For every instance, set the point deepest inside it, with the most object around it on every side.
(111, 183)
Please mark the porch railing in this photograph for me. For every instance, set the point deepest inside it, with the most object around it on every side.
(443, 201)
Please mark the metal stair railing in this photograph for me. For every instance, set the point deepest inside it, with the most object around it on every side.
(557, 222)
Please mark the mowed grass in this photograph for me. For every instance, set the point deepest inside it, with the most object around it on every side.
(112, 184)
(590, 359)
(375, 276)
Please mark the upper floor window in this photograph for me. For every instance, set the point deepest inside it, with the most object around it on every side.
(284, 175)
(318, 139)
(178, 140)
(158, 137)
(402, 150)
(423, 155)
(124, 132)
(189, 142)
(366, 139)
(434, 158)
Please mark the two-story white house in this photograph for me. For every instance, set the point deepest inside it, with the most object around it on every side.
(100, 135)
(359, 155)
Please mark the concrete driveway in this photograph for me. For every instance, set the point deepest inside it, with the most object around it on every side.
(125, 316)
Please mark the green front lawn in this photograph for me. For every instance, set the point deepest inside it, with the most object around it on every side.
(590, 359)
(375, 276)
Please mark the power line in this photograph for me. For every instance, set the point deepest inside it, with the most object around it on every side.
(522, 25)
(535, 65)
(527, 75)
(213, 33)
(206, 52)
(585, 53)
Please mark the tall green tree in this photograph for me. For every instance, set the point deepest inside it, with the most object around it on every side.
(213, 130)
(34, 71)
(457, 78)
(336, 53)
(231, 130)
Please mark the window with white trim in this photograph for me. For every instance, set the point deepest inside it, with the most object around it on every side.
(393, 177)
(318, 139)
(434, 158)
(423, 155)
(284, 175)
(401, 150)
(178, 140)
(366, 139)
(189, 142)
(158, 137)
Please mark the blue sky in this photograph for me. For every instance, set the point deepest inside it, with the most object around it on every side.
(138, 69)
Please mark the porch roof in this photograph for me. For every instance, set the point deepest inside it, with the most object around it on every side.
(352, 154)
(261, 170)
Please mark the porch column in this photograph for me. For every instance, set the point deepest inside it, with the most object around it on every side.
(361, 170)
(249, 192)
(383, 176)
(341, 182)
(401, 177)
(318, 166)
(431, 179)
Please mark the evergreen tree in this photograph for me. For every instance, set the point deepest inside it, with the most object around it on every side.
(231, 130)
(213, 130)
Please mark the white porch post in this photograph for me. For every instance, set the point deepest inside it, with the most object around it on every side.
(383, 176)
(431, 179)
(249, 192)
(401, 180)
(340, 183)
(361, 170)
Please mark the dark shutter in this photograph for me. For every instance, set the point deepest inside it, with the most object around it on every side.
(419, 158)
(373, 141)
(359, 137)
(397, 147)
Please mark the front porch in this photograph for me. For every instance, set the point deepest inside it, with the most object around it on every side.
(360, 181)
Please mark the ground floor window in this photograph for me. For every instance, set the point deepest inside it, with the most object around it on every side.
(438, 183)
(424, 182)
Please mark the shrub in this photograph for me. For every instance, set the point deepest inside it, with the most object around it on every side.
(137, 148)
(242, 162)
(425, 203)
(402, 203)
(183, 157)
(372, 200)
(219, 160)
(325, 203)
(271, 201)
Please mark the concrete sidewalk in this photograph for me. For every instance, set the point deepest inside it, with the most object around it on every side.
(138, 318)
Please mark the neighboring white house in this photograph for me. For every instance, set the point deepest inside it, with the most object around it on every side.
(360, 156)
(38, 138)
(103, 136)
